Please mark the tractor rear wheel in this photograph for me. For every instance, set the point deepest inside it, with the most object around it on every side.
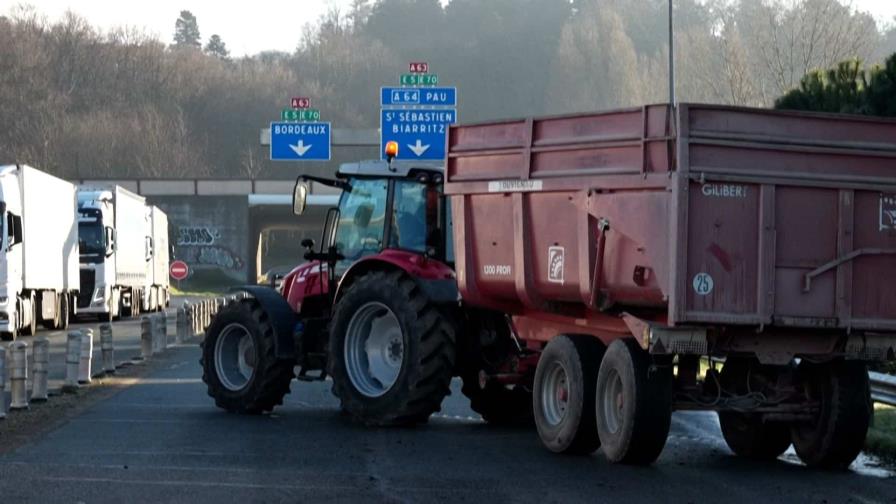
(238, 362)
(391, 351)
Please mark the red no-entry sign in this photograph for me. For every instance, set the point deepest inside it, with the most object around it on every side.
(179, 270)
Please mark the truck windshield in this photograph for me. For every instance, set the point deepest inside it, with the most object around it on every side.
(362, 214)
(91, 238)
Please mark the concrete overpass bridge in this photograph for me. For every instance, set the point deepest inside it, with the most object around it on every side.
(219, 226)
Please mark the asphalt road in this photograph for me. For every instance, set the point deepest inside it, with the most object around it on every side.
(162, 440)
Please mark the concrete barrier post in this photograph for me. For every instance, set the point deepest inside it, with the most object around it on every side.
(18, 372)
(180, 335)
(41, 353)
(107, 345)
(2, 382)
(72, 360)
(85, 367)
(145, 338)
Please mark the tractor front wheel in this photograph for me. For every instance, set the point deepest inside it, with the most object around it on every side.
(238, 362)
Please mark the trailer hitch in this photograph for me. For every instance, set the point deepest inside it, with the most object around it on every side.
(807, 280)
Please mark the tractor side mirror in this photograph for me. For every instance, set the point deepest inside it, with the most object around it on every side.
(299, 197)
(308, 243)
(363, 214)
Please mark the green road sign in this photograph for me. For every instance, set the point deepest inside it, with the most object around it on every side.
(419, 80)
(300, 115)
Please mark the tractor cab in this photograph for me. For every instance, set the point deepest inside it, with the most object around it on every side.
(384, 206)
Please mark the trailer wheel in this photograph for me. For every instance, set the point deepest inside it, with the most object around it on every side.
(837, 435)
(238, 363)
(563, 394)
(745, 433)
(64, 312)
(391, 351)
(634, 404)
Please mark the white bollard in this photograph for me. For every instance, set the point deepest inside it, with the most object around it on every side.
(145, 338)
(72, 360)
(86, 361)
(2, 382)
(107, 346)
(18, 372)
(41, 353)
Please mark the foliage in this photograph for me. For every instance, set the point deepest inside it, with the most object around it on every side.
(847, 88)
(186, 31)
(216, 47)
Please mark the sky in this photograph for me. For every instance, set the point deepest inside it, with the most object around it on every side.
(246, 27)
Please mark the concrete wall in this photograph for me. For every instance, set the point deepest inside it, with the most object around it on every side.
(210, 234)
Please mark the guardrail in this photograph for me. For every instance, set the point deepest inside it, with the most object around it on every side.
(883, 388)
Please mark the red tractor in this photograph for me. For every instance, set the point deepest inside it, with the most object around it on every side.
(376, 308)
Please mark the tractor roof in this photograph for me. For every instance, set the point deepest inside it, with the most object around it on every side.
(379, 168)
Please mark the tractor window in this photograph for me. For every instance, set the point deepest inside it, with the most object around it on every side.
(361, 219)
(409, 218)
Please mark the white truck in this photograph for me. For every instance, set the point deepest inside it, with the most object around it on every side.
(39, 253)
(112, 229)
(156, 296)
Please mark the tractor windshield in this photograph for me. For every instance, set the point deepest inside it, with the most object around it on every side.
(361, 219)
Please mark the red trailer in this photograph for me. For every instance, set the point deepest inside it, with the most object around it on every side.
(628, 245)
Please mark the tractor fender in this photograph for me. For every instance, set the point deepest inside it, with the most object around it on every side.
(283, 319)
(433, 277)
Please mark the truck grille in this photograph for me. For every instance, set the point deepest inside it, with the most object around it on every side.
(88, 282)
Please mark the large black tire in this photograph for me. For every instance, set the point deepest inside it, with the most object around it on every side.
(427, 352)
(65, 313)
(837, 435)
(270, 379)
(746, 434)
(563, 395)
(634, 404)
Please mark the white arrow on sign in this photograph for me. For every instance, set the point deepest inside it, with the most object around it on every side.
(419, 148)
(300, 148)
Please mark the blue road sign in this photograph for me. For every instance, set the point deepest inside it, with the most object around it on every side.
(303, 141)
(426, 97)
(420, 133)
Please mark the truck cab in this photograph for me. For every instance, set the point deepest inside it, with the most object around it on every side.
(11, 253)
(96, 238)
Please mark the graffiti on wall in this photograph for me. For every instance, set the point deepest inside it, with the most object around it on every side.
(201, 245)
(197, 235)
(220, 257)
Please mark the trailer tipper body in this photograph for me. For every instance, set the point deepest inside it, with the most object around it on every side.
(668, 234)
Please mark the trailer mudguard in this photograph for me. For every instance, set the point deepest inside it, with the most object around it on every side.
(283, 318)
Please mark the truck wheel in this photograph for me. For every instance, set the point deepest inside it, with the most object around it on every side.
(238, 363)
(31, 329)
(65, 312)
(746, 434)
(497, 404)
(563, 394)
(391, 352)
(837, 435)
(634, 404)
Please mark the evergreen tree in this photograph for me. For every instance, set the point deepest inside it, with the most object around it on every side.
(216, 47)
(186, 31)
